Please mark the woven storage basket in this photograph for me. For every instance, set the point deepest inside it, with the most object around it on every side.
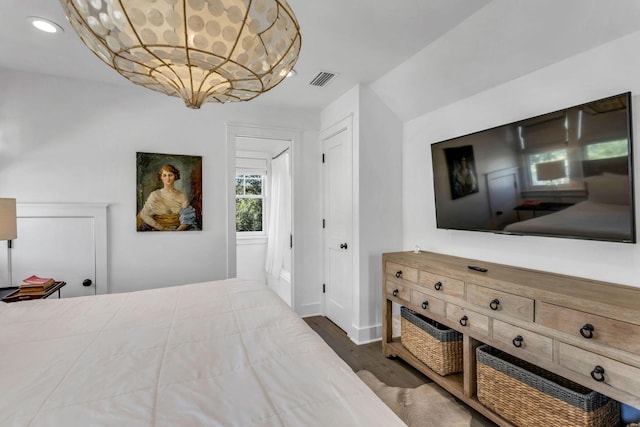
(527, 395)
(437, 346)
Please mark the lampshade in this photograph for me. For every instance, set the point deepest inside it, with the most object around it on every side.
(549, 171)
(8, 226)
(199, 50)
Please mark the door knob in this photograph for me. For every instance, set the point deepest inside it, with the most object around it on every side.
(343, 246)
(87, 282)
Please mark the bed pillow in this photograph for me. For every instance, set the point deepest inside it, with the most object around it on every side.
(608, 188)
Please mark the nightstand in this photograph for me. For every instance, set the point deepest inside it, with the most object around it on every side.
(541, 207)
(6, 291)
(16, 295)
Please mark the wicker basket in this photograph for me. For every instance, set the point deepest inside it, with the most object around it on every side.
(527, 395)
(438, 347)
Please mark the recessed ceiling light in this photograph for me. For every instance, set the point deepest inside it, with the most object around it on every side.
(45, 25)
(286, 74)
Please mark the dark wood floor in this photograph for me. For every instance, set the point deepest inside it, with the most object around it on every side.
(391, 371)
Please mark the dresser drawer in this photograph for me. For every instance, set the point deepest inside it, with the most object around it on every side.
(501, 302)
(615, 374)
(442, 284)
(523, 341)
(468, 319)
(398, 291)
(400, 271)
(428, 303)
(590, 327)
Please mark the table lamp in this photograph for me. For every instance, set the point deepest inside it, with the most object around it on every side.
(8, 231)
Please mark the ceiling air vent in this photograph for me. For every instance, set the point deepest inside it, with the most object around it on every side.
(322, 79)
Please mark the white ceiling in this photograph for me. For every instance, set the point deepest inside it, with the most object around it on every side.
(449, 49)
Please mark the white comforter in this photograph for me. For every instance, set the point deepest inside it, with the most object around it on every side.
(585, 219)
(225, 353)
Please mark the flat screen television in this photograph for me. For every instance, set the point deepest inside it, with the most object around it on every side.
(567, 174)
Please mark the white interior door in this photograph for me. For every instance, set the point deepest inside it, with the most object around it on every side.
(65, 241)
(338, 223)
(503, 197)
(62, 248)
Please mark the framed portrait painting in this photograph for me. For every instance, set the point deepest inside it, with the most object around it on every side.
(462, 171)
(169, 192)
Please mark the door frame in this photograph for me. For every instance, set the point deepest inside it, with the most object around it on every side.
(241, 130)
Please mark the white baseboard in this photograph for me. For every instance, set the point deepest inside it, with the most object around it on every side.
(308, 310)
(367, 335)
(374, 333)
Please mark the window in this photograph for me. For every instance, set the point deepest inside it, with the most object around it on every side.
(249, 203)
(606, 150)
(547, 157)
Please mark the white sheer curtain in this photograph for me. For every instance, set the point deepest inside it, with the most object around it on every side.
(279, 227)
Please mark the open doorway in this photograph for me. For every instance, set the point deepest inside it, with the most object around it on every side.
(263, 212)
(262, 207)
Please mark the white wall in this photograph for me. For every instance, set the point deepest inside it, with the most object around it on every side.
(607, 70)
(377, 199)
(307, 238)
(69, 141)
(380, 204)
(251, 253)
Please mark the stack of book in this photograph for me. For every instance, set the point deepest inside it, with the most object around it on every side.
(36, 285)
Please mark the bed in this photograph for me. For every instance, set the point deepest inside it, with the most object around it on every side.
(606, 214)
(223, 353)
(584, 219)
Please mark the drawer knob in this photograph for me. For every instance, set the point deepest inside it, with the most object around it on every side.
(399, 274)
(494, 304)
(395, 292)
(517, 341)
(425, 305)
(598, 373)
(587, 330)
(464, 320)
(437, 286)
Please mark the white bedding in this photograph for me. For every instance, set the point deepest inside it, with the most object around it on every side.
(225, 353)
(585, 219)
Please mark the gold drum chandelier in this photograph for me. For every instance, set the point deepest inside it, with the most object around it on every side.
(199, 50)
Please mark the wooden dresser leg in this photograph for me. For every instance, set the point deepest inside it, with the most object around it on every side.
(469, 346)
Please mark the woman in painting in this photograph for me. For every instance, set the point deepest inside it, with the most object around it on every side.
(464, 178)
(167, 209)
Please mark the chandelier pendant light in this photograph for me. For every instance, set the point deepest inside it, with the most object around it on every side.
(198, 50)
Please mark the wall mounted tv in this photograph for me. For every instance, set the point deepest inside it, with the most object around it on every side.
(563, 174)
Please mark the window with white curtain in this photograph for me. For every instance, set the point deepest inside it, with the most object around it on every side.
(251, 174)
(249, 203)
(545, 142)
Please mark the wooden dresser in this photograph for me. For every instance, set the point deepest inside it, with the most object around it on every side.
(584, 330)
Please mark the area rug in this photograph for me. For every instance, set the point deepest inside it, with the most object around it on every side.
(425, 406)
